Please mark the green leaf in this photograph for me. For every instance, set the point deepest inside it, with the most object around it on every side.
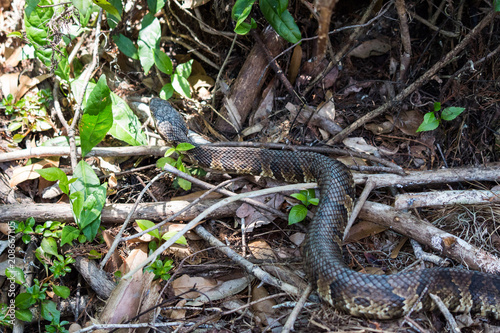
(54, 174)
(49, 245)
(299, 196)
(280, 19)
(149, 39)
(155, 5)
(297, 214)
(97, 118)
(184, 69)
(437, 106)
(451, 112)
(69, 234)
(184, 184)
(314, 201)
(496, 5)
(430, 123)
(126, 125)
(166, 91)
(170, 151)
(126, 46)
(61, 291)
(24, 301)
(160, 164)
(16, 274)
(146, 224)
(49, 310)
(170, 234)
(24, 315)
(184, 146)
(87, 181)
(181, 85)
(93, 254)
(77, 200)
(163, 62)
(240, 12)
(83, 6)
(108, 7)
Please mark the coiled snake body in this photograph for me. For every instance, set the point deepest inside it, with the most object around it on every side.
(372, 296)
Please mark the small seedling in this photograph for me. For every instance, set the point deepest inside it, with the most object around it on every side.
(299, 212)
(431, 121)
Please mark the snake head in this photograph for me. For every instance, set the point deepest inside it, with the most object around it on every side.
(169, 122)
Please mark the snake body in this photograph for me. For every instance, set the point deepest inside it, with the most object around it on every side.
(360, 294)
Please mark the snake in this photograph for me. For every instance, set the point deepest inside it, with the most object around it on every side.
(356, 293)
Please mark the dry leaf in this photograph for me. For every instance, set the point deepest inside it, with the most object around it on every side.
(382, 128)
(360, 145)
(373, 47)
(408, 121)
(185, 283)
(362, 230)
(261, 250)
(298, 238)
(23, 173)
(293, 69)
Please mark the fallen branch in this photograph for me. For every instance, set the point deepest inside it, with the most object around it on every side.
(445, 198)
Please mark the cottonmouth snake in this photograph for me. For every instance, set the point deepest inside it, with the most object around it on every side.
(372, 296)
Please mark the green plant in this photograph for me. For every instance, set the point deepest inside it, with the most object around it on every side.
(179, 164)
(5, 319)
(299, 212)
(146, 224)
(37, 295)
(275, 12)
(160, 269)
(433, 119)
(29, 114)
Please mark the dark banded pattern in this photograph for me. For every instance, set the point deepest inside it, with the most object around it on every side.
(372, 296)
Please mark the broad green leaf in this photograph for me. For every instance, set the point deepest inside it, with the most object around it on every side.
(281, 20)
(108, 7)
(90, 231)
(61, 291)
(451, 112)
(87, 180)
(97, 118)
(31, 5)
(184, 184)
(170, 151)
(155, 5)
(149, 39)
(160, 163)
(24, 301)
(430, 123)
(49, 311)
(49, 245)
(181, 85)
(314, 201)
(182, 240)
(77, 200)
(184, 146)
(16, 274)
(240, 12)
(69, 234)
(84, 7)
(113, 20)
(243, 27)
(299, 196)
(54, 174)
(146, 224)
(184, 69)
(166, 91)
(126, 125)
(126, 46)
(162, 61)
(24, 315)
(297, 214)
(496, 5)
